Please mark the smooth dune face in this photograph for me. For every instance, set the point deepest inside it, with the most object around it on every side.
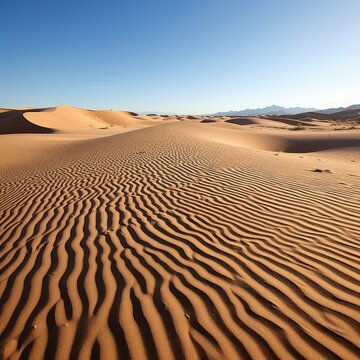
(183, 239)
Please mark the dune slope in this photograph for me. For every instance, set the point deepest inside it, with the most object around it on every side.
(14, 121)
(163, 243)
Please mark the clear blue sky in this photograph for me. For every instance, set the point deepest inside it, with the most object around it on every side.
(187, 56)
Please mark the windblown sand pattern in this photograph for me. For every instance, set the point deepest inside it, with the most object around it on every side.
(165, 243)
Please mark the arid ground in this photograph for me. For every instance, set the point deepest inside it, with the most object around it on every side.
(178, 237)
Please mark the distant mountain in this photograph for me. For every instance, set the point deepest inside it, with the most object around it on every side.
(269, 110)
(349, 114)
(336, 110)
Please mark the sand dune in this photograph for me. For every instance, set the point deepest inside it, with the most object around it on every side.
(70, 118)
(67, 119)
(280, 141)
(184, 240)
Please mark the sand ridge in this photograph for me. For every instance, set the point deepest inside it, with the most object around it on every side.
(180, 239)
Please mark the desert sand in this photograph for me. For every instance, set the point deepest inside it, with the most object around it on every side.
(178, 237)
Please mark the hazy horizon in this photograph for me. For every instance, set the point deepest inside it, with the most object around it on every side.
(180, 57)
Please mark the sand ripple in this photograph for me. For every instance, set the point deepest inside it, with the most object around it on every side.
(157, 244)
